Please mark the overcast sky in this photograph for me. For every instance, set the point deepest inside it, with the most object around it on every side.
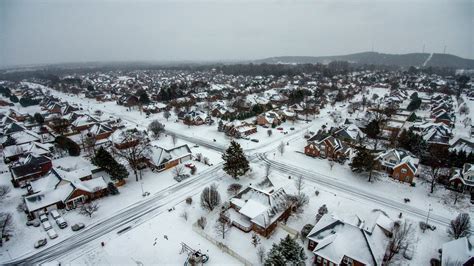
(53, 31)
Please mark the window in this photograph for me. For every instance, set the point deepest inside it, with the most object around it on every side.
(404, 171)
(325, 262)
(318, 259)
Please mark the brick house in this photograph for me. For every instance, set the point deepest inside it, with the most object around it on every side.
(258, 210)
(27, 169)
(269, 118)
(462, 180)
(328, 147)
(400, 164)
(335, 241)
(161, 159)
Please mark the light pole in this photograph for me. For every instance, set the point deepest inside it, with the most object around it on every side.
(427, 217)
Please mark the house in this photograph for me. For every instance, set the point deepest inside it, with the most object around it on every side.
(64, 189)
(238, 128)
(258, 210)
(124, 141)
(128, 100)
(269, 118)
(349, 133)
(29, 168)
(334, 241)
(458, 252)
(162, 159)
(399, 164)
(462, 145)
(327, 147)
(13, 152)
(462, 179)
(197, 118)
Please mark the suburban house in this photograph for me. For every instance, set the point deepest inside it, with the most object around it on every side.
(128, 100)
(13, 152)
(458, 252)
(334, 241)
(327, 147)
(162, 159)
(64, 189)
(258, 210)
(197, 118)
(462, 179)
(399, 164)
(269, 118)
(238, 129)
(29, 168)
(124, 141)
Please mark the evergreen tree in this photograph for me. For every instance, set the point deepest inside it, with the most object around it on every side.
(39, 118)
(364, 161)
(112, 188)
(104, 160)
(235, 162)
(287, 252)
(119, 172)
(14, 99)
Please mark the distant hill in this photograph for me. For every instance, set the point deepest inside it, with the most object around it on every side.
(403, 60)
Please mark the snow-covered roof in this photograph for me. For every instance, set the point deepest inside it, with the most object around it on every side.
(458, 251)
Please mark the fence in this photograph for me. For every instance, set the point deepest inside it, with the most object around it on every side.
(221, 245)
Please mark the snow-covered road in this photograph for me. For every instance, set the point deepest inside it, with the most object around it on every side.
(132, 216)
(329, 182)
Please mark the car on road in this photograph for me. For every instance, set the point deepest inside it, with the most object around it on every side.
(61, 222)
(43, 217)
(196, 146)
(47, 225)
(52, 234)
(264, 126)
(34, 223)
(190, 165)
(254, 140)
(279, 128)
(77, 227)
(292, 128)
(41, 243)
(55, 214)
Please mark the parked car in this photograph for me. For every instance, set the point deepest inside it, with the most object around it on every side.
(61, 222)
(52, 234)
(47, 225)
(34, 223)
(279, 128)
(55, 214)
(41, 212)
(77, 227)
(41, 243)
(254, 140)
(292, 128)
(43, 217)
(190, 165)
(196, 146)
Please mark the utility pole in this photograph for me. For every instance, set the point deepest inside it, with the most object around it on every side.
(427, 217)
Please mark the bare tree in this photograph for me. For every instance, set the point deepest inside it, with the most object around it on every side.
(6, 226)
(222, 225)
(89, 209)
(401, 239)
(135, 154)
(456, 195)
(174, 139)
(210, 198)
(460, 226)
(202, 222)
(268, 170)
(156, 128)
(178, 171)
(198, 157)
(4, 191)
(331, 164)
(234, 189)
(261, 253)
(281, 148)
(166, 114)
(299, 184)
(184, 215)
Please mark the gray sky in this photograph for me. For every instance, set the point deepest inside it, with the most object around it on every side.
(53, 31)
